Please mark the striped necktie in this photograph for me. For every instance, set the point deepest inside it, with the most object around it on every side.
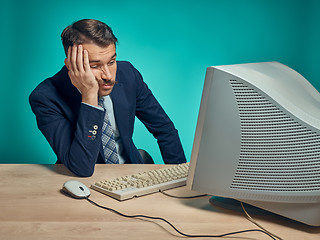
(108, 142)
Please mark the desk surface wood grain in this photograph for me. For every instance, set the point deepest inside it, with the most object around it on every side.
(32, 206)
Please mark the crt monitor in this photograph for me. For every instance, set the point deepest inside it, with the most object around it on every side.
(257, 139)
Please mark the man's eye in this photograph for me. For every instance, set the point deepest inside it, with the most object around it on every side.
(112, 62)
(94, 66)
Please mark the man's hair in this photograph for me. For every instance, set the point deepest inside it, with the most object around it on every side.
(87, 31)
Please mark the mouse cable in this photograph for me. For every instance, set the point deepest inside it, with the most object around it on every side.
(171, 225)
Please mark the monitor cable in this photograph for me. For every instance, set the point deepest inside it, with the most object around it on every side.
(257, 224)
(183, 197)
(242, 206)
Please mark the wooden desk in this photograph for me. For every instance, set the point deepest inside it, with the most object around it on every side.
(32, 207)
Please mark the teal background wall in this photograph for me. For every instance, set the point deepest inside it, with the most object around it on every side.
(170, 42)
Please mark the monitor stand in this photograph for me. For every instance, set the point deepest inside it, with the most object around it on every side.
(301, 212)
(234, 205)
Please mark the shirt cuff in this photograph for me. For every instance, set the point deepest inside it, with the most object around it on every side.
(97, 107)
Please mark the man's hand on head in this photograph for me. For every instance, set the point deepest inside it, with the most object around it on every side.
(80, 73)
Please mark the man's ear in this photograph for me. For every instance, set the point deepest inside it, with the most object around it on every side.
(65, 62)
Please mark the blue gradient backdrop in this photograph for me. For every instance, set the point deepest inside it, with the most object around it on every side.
(170, 42)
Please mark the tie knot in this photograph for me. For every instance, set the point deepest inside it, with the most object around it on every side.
(101, 102)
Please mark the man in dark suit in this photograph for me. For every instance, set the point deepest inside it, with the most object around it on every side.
(69, 116)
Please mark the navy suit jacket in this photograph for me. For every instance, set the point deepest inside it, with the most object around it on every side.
(68, 124)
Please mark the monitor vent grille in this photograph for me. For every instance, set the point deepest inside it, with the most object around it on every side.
(277, 152)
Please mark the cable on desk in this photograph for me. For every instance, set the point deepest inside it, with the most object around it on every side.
(247, 214)
(171, 225)
(257, 224)
(186, 197)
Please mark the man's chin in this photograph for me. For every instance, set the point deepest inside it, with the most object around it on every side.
(105, 92)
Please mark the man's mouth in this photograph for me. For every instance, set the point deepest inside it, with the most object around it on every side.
(106, 84)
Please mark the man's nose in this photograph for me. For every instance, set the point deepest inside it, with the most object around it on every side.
(105, 73)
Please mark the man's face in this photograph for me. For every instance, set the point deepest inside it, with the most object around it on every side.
(103, 65)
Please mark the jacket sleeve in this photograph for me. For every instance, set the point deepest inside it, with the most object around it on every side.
(76, 145)
(152, 115)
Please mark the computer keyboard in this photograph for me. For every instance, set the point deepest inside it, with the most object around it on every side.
(129, 186)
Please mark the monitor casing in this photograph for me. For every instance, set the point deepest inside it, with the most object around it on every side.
(257, 139)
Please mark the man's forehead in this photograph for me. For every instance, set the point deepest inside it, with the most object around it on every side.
(96, 52)
(100, 58)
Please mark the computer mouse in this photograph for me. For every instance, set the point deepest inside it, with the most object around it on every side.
(76, 189)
